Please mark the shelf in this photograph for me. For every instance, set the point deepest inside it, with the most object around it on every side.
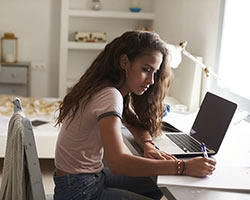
(86, 45)
(111, 14)
(75, 56)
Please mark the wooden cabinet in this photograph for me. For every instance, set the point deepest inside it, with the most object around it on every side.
(114, 19)
(14, 79)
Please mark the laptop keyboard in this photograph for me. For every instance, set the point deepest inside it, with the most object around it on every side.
(185, 142)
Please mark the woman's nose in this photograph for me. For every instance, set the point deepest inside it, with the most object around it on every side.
(151, 79)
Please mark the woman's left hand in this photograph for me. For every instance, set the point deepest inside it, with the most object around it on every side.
(151, 152)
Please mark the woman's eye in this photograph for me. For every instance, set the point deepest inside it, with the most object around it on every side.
(146, 70)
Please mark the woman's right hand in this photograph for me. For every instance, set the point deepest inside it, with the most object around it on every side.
(199, 166)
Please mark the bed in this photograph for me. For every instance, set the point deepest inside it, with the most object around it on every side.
(42, 112)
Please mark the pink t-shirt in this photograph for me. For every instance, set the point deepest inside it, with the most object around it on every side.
(79, 148)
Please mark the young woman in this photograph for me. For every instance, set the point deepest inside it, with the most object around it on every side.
(126, 83)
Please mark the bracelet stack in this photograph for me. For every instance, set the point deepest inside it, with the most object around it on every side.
(149, 141)
(179, 167)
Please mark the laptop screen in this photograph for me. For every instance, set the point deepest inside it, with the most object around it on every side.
(215, 114)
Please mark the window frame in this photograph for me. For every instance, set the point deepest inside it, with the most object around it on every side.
(243, 103)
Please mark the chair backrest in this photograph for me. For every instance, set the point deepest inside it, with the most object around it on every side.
(32, 185)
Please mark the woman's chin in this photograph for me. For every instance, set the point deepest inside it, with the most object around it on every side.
(139, 93)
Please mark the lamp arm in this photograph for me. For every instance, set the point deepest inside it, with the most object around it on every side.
(190, 56)
(207, 70)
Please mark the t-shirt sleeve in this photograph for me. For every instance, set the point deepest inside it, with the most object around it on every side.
(108, 101)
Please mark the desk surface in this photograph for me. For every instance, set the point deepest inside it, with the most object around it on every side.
(237, 136)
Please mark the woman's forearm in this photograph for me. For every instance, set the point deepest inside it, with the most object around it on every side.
(130, 165)
(140, 135)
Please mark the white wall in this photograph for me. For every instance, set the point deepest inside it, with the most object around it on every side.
(36, 24)
(195, 21)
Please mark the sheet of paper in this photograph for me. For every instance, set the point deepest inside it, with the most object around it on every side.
(177, 119)
(231, 178)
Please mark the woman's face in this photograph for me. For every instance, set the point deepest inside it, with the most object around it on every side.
(140, 73)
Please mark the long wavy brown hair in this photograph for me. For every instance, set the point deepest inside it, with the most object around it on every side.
(145, 111)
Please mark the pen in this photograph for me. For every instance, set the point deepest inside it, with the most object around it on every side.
(204, 150)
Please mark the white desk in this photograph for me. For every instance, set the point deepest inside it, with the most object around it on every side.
(237, 136)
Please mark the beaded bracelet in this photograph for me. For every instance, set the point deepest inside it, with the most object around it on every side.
(180, 167)
(183, 167)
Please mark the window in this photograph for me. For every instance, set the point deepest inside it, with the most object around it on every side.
(233, 61)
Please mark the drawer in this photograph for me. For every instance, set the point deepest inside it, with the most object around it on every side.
(13, 75)
(13, 89)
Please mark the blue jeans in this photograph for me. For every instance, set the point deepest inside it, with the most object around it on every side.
(104, 186)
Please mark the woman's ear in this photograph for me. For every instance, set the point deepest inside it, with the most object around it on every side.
(124, 61)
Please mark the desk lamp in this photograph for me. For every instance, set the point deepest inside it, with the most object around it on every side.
(175, 57)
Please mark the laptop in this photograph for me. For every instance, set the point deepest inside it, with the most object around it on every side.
(210, 127)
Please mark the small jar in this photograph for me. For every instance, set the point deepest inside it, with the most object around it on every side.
(96, 5)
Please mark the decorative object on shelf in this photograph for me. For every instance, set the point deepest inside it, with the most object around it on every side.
(9, 44)
(175, 58)
(96, 5)
(90, 36)
(135, 5)
(142, 28)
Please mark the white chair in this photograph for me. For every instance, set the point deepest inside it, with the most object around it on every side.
(21, 171)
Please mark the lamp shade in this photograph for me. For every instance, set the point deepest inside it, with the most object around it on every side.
(174, 55)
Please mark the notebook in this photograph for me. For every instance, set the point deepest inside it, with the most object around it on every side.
(210, 127)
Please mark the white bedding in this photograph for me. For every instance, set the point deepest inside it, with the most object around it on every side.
(44, 109)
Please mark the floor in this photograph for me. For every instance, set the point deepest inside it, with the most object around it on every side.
(47, 169)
